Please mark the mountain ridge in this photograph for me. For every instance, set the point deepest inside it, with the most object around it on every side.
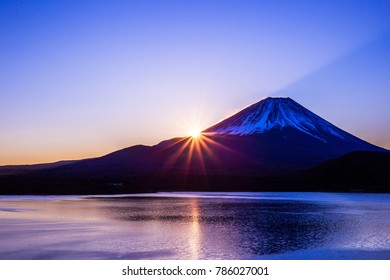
(273, 137)
(274, 112)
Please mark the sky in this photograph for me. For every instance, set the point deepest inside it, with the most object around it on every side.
(81, 79)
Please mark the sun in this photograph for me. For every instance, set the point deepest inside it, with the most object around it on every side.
(195, 133)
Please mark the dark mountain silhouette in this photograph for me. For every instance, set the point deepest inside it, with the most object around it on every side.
(30, 168)
(355, 171)
(266, 144)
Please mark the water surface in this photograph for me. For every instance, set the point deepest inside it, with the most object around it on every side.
(196, 226)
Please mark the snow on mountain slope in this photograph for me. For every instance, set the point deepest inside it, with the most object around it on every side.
(271, 113)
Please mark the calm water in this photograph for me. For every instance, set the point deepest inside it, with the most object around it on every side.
(197, 226)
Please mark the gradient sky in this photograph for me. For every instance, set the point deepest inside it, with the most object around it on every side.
(84, 78)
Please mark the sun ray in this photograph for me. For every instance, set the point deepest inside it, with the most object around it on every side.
(193, 156)
(212, 142)
(199, 152)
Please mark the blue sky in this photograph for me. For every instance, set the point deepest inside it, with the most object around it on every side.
(84, 78)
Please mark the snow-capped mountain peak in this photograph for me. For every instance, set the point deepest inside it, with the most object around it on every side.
(277, 113)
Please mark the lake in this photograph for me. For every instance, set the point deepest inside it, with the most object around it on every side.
(196, 226)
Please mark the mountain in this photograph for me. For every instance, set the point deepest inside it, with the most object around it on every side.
(287, 135)
(281, 113)
(356, 171)
(271, 139)
(30, 168)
